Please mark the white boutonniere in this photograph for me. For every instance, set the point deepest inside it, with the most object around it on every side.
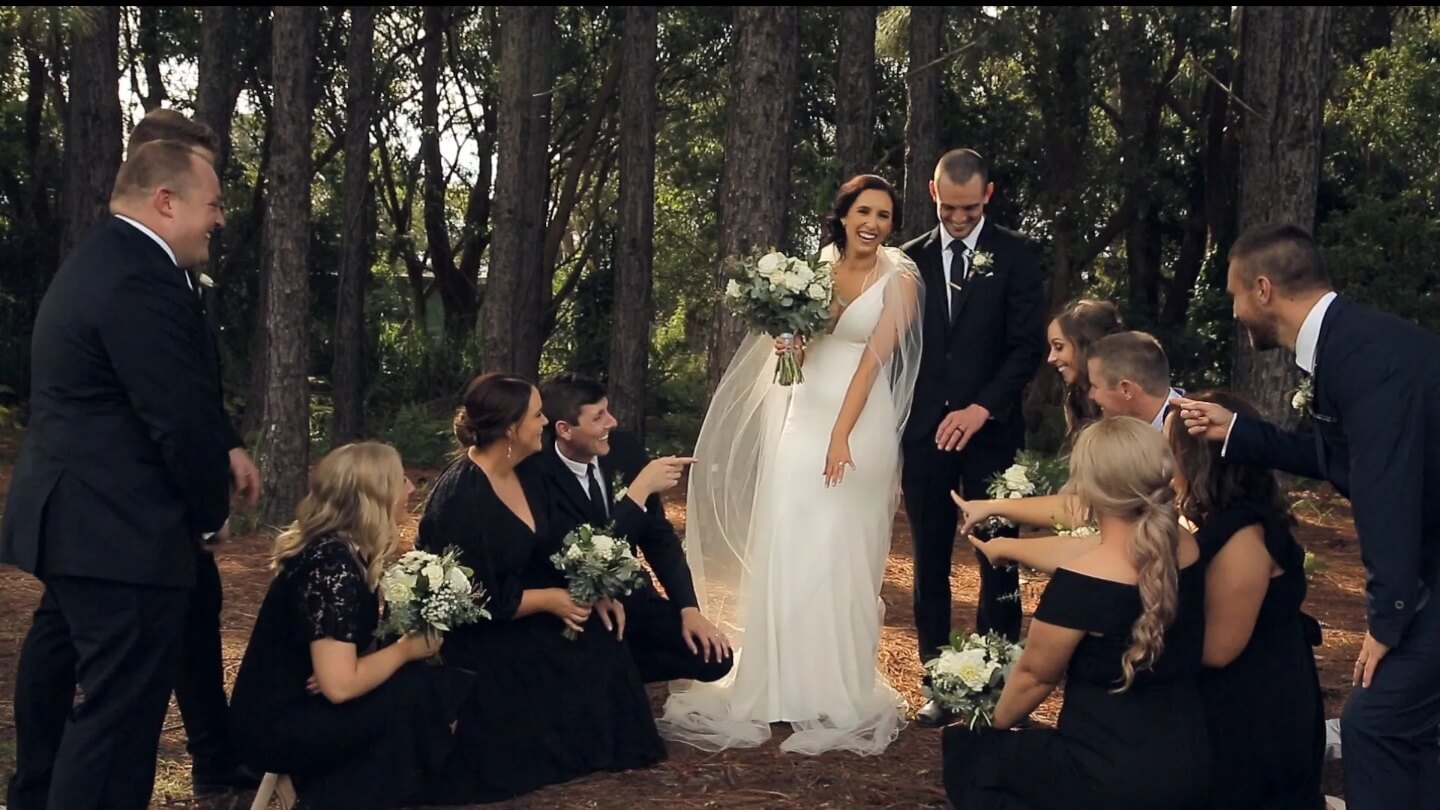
(206, 281)
(982, 263)
(1304, 395)
(618, 490)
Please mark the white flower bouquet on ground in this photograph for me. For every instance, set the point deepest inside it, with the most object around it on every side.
(782, 297)
(596, 564)
(969, 675)
(429, 593)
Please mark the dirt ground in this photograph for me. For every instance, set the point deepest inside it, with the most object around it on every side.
(906, 775)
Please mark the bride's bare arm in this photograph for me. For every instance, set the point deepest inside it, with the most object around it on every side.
(895, 320)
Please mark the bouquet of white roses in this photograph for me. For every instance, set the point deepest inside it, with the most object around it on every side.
(782, 297)
(429, 593)
(1032, 474)
(596, 565)
(969, 675)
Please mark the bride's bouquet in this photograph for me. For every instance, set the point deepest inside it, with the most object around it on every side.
(429, 593)
(969, 675)
(1032, 474)
(782, 297)
(596, 565)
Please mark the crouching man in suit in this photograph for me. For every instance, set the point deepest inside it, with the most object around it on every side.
(600, 475)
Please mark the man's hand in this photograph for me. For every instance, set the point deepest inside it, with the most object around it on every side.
(245, 477)
(702, 637)
(612, 615)
(1204, 418)
(959, 427)
(1369, 659)
(658, 476)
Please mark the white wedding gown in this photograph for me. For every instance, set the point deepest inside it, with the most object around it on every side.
(798, 580)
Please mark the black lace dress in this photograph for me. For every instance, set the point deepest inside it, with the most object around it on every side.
(546, 709)
(377, 751)
(1264, 711)
(1142, 749)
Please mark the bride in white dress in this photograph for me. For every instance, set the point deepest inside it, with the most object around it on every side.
(791, 505)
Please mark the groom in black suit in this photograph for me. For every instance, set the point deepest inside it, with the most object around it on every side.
(1375, 404)
(984, 337)
(599, 475)
(125, 464)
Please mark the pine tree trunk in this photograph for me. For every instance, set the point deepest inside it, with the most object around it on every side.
(92, 125)
(855, 92)
(922, 123)
(285, 441)
(755, 179)
(348, 374)
(514, 291)
(220, 76)
(1284, 75)
(630, 335)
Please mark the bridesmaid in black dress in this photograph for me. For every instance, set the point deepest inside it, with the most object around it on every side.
(1261, 688)
(1122, 622)
(545, 709)
(370, 729)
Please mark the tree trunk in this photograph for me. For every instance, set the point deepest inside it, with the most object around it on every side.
(220, 76)
(92, 125)
(755, 180)
(285, 445)
(348, 374)
(1284, 73)
(630, 335)
(922, 122)
(152, 53)
(514, 291)
(855, 92)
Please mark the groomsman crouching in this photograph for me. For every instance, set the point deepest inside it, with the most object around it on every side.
(601, 476)
(1130, 376)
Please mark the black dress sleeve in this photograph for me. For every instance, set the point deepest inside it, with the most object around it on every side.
(332, 591)
(1082, 602)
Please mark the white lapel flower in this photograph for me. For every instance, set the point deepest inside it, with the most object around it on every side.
(1304, 395)
(618, 490)
(981, 263)
(206, 281)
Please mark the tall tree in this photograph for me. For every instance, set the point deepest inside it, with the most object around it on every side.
(1283, 78)
(922, 124)
(285, 442)
(855, 92)
(514, 290)
(630, 335)
(221, 75)
(348, 374)
(756, 175)
(92, 123)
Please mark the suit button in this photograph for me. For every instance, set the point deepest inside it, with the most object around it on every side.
(1399, 604)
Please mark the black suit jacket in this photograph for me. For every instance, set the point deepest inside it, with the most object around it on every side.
(648, 530)
(995, 346)
(125, 459)
(1376, 413)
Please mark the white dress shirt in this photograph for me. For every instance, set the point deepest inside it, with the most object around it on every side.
(582, 474)
(1159, 421)
(948, 256)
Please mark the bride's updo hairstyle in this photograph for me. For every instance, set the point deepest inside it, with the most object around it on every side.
(844, 198)
(1122, 467)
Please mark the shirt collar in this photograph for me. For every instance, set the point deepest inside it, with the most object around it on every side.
(1309, 338)
(580, 470)
(1159, 421)
(158, 240)
(970, 241)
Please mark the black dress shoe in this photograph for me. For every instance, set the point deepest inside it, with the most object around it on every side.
(239, 777)
(933, 715)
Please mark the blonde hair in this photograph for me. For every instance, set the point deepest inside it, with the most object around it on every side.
(353, 492)
(1122, 467)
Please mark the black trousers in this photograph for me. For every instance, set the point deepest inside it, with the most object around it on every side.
(119, 641)
(652, 631)
(1390, 733)
(928, 477)
(49, 686)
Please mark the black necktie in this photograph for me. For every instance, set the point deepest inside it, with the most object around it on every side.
(957, 274)
(599, 513)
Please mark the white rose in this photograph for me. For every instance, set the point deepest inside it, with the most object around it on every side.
(795, 283)
(396, 592)
(434, 575)
(1298, 401)
(574, 552)
(972, 668)
(1016, 478)
(771, 262)
(777, 277)
(458, 581)
(816, 292)
(733, 289)
(603, 545)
